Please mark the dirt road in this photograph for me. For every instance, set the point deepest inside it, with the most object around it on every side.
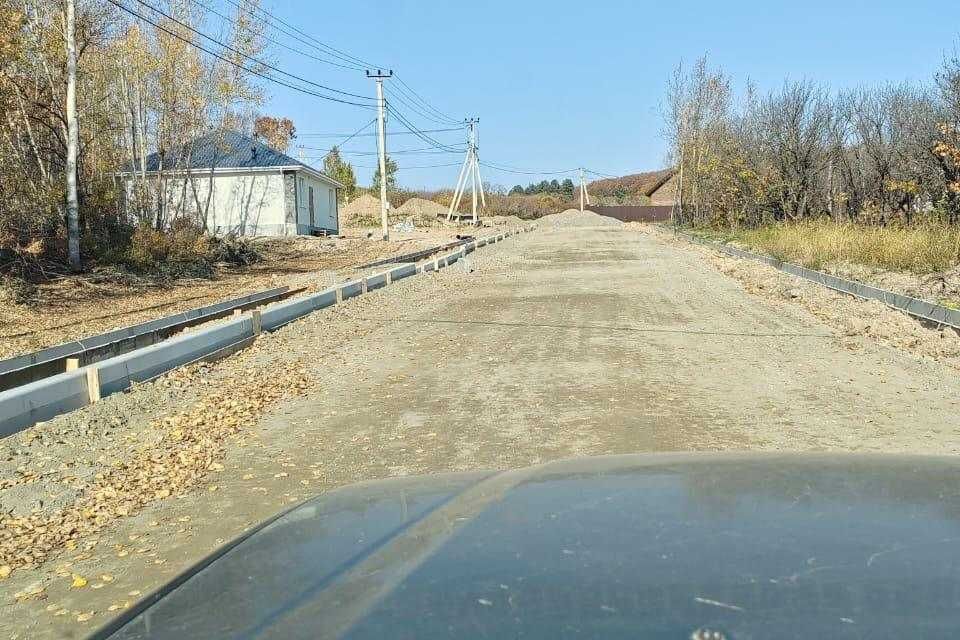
(559, 343)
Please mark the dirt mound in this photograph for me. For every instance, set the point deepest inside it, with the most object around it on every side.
(574, 218)
(419, 207)
(503, 221)
(362, 211)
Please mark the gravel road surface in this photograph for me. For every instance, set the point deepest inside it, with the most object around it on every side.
(558, 343)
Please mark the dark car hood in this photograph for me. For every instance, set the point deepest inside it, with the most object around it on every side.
(647, 546)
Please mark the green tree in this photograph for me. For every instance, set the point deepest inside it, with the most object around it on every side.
(391, 177)
(516, 191)
(341, 171)
(567, 188)
(554, 186)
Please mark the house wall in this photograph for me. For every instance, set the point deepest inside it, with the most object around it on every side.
(242, 203)
(666, 195)
(324, 205)
(263, 203)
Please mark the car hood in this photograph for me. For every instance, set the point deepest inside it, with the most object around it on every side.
(646, 546)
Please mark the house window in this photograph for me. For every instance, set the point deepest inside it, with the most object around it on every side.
(333, 205)
(310, 205)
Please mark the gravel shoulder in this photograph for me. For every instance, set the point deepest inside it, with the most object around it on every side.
(558, 343)
(75, 307)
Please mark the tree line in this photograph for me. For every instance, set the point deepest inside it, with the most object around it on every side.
(871, 154)
(141, 89)
(553, 187)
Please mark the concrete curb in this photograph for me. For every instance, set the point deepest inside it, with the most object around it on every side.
(26, 405)
(31, 367)
(912, 306)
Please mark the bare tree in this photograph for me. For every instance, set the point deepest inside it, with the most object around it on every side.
(797, 123)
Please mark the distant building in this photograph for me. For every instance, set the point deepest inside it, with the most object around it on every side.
(656, 188)
(235, 184)
(662, 190)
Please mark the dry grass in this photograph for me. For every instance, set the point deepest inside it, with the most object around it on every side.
(920, 248)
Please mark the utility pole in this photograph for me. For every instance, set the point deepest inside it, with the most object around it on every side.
(583, 190)
(379, 77)
(73, 140)
(469, 171)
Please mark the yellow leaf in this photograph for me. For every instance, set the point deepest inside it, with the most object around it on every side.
(5, 572)
(79, 582)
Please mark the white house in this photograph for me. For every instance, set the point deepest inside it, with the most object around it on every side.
(239, 185)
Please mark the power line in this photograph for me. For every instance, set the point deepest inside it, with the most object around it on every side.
(249, 57)
(236, 64)
(420, 134)
(333, 51)
(427, 166)
(416, 109)
(429, 151)
(356, 133)
(426, 104)
(373, 135)
(233, 22)
(600, 175)
(533, 172)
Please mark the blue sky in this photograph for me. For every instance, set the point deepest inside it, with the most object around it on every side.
(562, 84)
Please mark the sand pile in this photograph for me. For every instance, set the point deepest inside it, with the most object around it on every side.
(360, 212)
(501, 221)
(418, 207)
(573, 218)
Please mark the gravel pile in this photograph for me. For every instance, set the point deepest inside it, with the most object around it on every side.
(573, 218)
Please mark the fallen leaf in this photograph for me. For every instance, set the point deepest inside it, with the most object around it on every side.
(79, 582)
(83, 617)
(5, 572)
(134, 593)
(107, 577)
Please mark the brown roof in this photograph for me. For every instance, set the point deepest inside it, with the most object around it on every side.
(638, 183)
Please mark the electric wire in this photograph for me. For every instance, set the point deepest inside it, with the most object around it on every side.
(276, 42)
(401, 168)
(416, 96)
(418, 105)
(392, 95)
(272, 20)
(373, 135)
(249, 57)
(420, 134)
(236, 64)
(532, 172)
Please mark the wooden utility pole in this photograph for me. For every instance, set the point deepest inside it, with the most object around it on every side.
(73, 140)
(379, 77)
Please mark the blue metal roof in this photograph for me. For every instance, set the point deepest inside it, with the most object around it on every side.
(224, 150)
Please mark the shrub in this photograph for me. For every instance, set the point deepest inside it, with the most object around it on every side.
(182, 250)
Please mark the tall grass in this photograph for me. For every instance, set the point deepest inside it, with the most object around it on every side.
(920, 248)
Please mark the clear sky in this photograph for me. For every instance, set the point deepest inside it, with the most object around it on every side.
(564, 84)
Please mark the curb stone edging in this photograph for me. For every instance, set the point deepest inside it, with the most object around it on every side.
(24, 406)
(915, 307)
